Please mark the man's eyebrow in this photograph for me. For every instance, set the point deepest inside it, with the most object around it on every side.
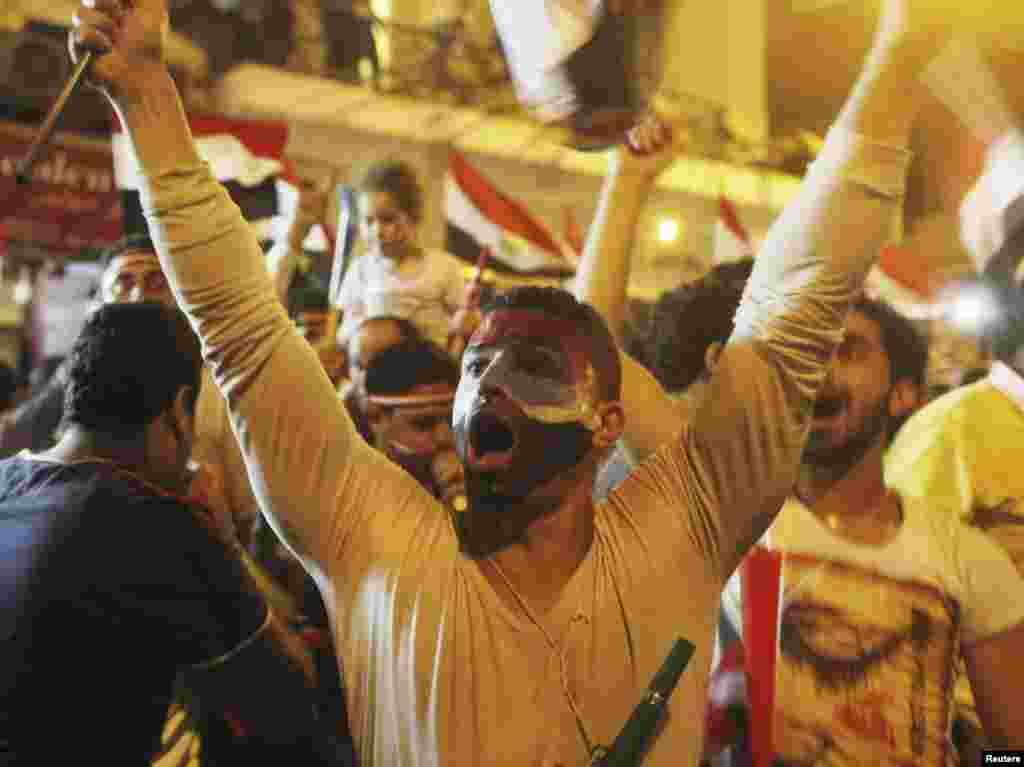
(536, 342)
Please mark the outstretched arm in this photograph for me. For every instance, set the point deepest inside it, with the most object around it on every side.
(652, 418)
(283, 258)
(741, 451)
(311, 473)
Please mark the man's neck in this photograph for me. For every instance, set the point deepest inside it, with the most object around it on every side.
(850, 494)
(81, 445)
(540, 563)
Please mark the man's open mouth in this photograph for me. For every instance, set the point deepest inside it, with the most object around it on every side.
(492, 443)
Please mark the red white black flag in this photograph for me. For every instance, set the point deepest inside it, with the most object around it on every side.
(480, 216)
(245, 156)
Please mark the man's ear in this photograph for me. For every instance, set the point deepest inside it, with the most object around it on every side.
(374, 412)
(904, 398)
(711, 355)
(183, 410)
(611, 421)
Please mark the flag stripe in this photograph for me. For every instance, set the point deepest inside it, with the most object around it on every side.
(732, 242)
(466, 247)
(244, 155)
(259, 204)
(479, 216)
(503, 210)
(730, 218)
(992, 212)
(909, 270)
(228, 158)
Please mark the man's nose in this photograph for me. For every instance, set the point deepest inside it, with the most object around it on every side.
(444, 438)
(492, 379)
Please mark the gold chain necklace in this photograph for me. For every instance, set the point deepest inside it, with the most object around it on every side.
(559, 652)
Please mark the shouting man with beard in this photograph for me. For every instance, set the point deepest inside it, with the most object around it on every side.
(880, 592)
(527, 634)
(881, 589)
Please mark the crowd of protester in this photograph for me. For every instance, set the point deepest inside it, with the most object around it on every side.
(428, 531)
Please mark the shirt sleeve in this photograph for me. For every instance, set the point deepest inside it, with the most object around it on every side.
(993, 598)
(932, 459)
(314, 477)
(738, 456)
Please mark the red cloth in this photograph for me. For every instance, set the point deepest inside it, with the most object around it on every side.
(762, 574)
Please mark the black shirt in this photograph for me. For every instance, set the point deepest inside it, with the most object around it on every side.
(107, 588)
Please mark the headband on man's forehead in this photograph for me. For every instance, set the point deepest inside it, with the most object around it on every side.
(411, 400)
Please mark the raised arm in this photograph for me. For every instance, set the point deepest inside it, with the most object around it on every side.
(310, 471)
(284, 256)
(652, 417)
(744, 442)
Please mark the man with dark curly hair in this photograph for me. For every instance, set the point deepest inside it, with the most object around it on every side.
(105, 560)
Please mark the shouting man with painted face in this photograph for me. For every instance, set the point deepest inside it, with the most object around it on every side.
(527, 634)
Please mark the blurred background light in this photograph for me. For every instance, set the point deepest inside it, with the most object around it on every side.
(668, 231)
(973, 308)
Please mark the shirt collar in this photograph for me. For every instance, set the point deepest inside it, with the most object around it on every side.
(1008, 381)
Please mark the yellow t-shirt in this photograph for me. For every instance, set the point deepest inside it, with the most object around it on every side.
(963, 455)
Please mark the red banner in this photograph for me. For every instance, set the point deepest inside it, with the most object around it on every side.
(72, 202)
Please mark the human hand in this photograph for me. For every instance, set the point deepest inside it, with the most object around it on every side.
(127, 39)
(312, 207)
(314, 198)
(651, 146)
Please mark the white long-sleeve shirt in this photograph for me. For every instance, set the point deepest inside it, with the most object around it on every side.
(439, 669)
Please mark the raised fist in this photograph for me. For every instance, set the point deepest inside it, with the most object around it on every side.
(126, 37)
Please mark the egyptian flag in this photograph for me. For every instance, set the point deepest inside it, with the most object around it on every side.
(732, 242)
(904, 278)
(992, 213)
(245, 156)
(573, 235)
(479, 216)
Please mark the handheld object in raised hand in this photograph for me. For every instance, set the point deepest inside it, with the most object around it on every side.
(23, 172)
